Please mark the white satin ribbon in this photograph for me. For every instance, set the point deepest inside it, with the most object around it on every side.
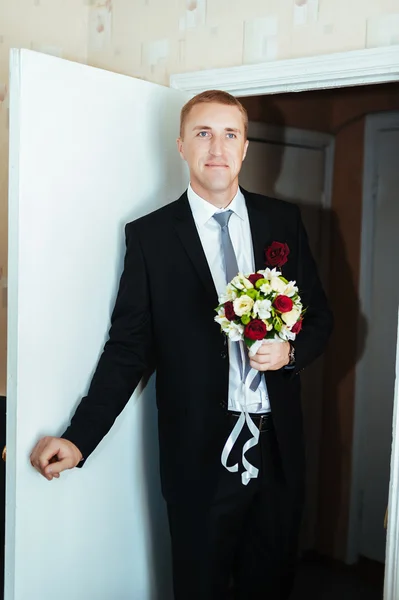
(250, 472)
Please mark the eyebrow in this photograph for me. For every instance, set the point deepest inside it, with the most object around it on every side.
(207, 128)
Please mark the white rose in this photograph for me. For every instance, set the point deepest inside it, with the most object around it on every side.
(278, 285)
(243, 305)
(290, 318)
(262, 308)
(237, 282)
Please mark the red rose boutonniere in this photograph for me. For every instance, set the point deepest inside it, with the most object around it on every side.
(277, 254)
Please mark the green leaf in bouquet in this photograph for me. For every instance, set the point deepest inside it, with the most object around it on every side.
(251, 293)
(245, 319)
(249, 342)
(277, 324)
(260, 282)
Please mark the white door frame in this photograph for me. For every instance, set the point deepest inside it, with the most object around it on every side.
(343, 69)
(375, 123)
(391, 585)
(354, 68)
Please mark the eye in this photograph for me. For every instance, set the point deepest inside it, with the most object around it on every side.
(231, 136)
(203, 134)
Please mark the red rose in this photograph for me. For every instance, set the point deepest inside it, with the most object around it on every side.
(229, 311)
(255, 330)
(283, 304)
(297, 327)
(277, 254)
(255, 277)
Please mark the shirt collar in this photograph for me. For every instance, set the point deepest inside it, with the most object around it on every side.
(203, 210)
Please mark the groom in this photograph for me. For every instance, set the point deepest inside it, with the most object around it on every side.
(177, 262)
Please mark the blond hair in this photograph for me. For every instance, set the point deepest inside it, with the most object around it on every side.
(217, 96)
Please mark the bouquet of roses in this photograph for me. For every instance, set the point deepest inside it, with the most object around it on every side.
(260, 306)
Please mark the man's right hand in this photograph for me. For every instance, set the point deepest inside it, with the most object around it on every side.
(53, 455)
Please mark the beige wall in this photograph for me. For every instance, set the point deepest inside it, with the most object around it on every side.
(54, 26)
(151, 39)
(154, 38)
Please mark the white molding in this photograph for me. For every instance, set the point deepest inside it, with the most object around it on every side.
(357, 67)
(374, 124)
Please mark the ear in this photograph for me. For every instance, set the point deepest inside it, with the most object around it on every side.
(180, 148)
(245, 149)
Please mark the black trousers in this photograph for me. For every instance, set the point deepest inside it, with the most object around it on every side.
(245, 538)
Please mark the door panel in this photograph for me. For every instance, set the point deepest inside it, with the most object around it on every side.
(380, 350)
(89, 151)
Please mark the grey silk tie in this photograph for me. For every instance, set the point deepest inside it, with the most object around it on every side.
(231, 270)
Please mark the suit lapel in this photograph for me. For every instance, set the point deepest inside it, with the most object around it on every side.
(261, 231)
(188, 234)
(261, 226)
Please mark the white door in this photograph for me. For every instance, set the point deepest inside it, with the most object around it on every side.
(296, 165)
(380, 299)
(89, 151)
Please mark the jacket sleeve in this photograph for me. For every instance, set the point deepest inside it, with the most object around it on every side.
(318, 319)
(125, 358)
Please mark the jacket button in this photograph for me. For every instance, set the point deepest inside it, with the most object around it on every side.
(223, 354)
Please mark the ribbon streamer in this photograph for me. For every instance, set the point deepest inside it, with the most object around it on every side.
(250, 472)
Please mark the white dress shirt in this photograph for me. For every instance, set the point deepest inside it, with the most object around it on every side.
(211, 238)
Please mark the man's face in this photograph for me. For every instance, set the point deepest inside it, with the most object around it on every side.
(214, 147)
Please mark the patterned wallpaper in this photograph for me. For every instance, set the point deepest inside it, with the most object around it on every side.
(151, 39)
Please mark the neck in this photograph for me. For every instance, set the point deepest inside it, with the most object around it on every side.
(219, 199)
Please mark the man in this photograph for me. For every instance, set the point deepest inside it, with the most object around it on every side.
(176, 262)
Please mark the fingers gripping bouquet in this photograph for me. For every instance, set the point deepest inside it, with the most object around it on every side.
(255, 309)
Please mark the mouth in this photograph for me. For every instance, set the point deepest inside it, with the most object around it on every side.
(216, 166)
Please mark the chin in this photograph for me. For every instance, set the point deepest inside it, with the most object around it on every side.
(217, 185)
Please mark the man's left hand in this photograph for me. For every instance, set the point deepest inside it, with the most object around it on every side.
(271, 357)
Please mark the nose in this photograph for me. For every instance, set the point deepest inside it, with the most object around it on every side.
(216, 147)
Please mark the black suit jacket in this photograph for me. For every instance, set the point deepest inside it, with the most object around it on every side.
(164, 318)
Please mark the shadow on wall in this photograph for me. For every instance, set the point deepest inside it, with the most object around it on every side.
(333, 440)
